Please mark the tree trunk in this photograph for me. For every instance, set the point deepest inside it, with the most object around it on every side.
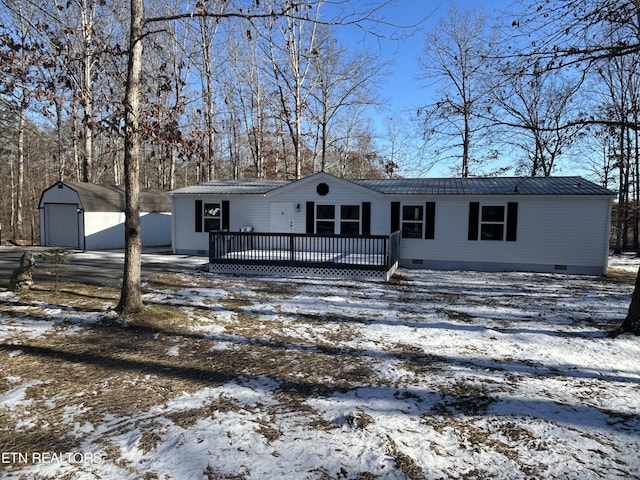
(631, 323)
(466, 141)
(22, 120)
(208, 167)
(86, 91)
(131, 295)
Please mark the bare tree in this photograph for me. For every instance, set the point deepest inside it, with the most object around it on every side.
(586, 35)
(457, 56)
(341, 82)
(156, 118)
(621, 97)
(292, 45)
(533, 106)
(246, 84)
(208, 27)
(397, 141)
(84, 33)
(130, 297)
(358, 156)
(19, 59)
(87, 15)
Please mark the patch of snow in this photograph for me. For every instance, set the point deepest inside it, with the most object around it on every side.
(470, 375)
(16, 397)
(173, 351)
(629, 262)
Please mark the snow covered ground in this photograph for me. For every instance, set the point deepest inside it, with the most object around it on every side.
(433, 375)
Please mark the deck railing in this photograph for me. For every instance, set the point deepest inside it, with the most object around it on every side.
(364, 252)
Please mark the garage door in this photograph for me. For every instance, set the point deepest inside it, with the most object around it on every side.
(62, 224)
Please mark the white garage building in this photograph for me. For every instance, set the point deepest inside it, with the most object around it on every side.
(88, 216)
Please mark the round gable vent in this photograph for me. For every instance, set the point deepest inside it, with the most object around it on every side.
(322, 189)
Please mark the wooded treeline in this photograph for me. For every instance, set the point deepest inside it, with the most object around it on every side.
(557, 82)
(280, 97)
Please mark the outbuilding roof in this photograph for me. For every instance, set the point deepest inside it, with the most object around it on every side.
(111, 198)
(423, 186)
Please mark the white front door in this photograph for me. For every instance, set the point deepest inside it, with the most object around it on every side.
(281, 217)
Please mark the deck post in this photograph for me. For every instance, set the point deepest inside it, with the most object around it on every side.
(292, 249)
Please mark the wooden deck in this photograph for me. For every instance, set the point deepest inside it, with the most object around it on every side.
(363, 256)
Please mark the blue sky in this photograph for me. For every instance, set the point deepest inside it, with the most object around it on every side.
(402, 91)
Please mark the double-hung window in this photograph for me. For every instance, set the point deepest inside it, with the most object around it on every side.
(350, 220)
(412, 221)
(492, 222)
(326, 219)
(346, 217)
(212, 217)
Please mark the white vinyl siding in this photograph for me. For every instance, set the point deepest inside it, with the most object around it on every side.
(552, 231)
(341, 194)
(254, 211)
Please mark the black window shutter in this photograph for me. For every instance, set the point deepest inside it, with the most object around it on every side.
(474, 212)
(366, 218)
(225, 215)
(311, 218)
(199, 214)
(512, 221)
(395, 216)
(430, 221)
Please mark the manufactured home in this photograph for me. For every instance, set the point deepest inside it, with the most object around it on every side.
(88, 216)
(553, 224)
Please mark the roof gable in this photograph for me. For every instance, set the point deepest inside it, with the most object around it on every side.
(323, 177)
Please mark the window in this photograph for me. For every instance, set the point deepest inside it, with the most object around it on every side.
(350, 220)
(322, 189)
(212, 217)
(492, 222)
(412, 218)
(326, 219)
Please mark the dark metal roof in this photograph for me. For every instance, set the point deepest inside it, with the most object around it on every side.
(233, 187)
(110, 198)
(422, 186)
(486, 186)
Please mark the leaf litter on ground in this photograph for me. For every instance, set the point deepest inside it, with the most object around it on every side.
(436, 374)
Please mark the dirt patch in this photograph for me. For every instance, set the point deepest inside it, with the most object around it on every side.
(404, 462)
(276, 364)
(455, 315)
(466, 398)
(121, 367)
(619, 275)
